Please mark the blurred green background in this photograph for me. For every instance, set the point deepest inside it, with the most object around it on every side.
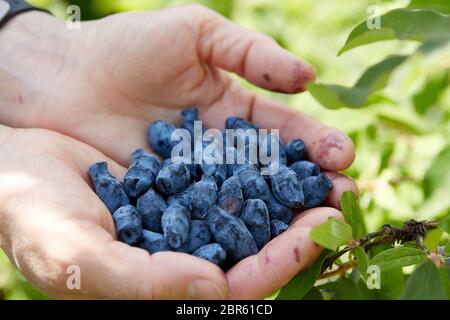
(402, 140)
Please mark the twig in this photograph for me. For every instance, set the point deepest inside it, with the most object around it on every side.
(410, 231)
(340, 271)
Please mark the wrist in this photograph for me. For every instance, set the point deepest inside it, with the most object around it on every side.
(28, 46)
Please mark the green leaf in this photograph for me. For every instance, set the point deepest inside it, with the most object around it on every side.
(362, 259)
(431, 91)
(439, 171)
(432, 239)
(398, 257)
(375, 78)
(444, 224)
(424, 284)
(352, 214)
(401, 24)
(313, 294)
(299, 286)
(332, 234)
(442, 6)
(347, 290)
(392, 284)
(444, 274)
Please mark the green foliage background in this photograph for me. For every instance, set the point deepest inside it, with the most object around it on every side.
(402, 136)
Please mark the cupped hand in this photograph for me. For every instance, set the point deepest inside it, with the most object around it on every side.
(52, 225)
(103, 84)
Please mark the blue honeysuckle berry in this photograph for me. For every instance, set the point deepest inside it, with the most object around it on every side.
(277, 227)
(295, 150)
(154, 242)
(142, 173)
(316, 190)
(203, 194)
(173, 179)
(231, 197)
(213, 253)
(199, 236)
(278, 211)
(253, 184)
(151, 205)
(255, 216)
(128, 223)
(305, 169)
(231, 234)
(108, 188)
(176, 222)
(160, 137)
(287, 188)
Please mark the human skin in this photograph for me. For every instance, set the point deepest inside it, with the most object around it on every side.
(93, 92)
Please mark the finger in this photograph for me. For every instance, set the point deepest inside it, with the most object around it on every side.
(114, 270)
(258, 276)
(254, 56)
(102, 268)
(341, 183)
(330, 148)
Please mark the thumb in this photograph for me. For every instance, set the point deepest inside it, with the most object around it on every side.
(254, 56)
(117, 271)
(113, 270)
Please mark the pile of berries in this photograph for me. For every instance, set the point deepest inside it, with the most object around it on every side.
(221, 212)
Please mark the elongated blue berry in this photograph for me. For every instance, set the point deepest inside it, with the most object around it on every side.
(183, 198)
(151, 205)
(203, 195)
(176, 223)
(189, 116)
(253, 184)
(108, 188)
(231, 233)
(296, 150)
(287, 188)
(160, 137)
(128, 223)
(239, 123)
(278, 211)
(277, 227)
(305, 169)
(265, 148)
(316, 190)
(213, 253)
(154, 242)
(199, 236)
(230, 195)
(142, 173)
(173, 179)
(256, 217)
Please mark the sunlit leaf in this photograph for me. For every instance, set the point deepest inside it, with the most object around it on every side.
(398, 257)
(333, 96)
(347, 290)
(402, 24)
(442, 6)
(332, 234)
(424, 284)
(362, 259)
(299, 286)
(392, 284)
(352, 214)
(432, 239)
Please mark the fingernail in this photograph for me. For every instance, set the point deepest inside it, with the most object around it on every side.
(203, 289)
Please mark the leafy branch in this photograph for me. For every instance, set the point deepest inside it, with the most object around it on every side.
(410, 231)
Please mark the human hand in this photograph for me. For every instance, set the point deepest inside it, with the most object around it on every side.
(51, 219)
(89, 89)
